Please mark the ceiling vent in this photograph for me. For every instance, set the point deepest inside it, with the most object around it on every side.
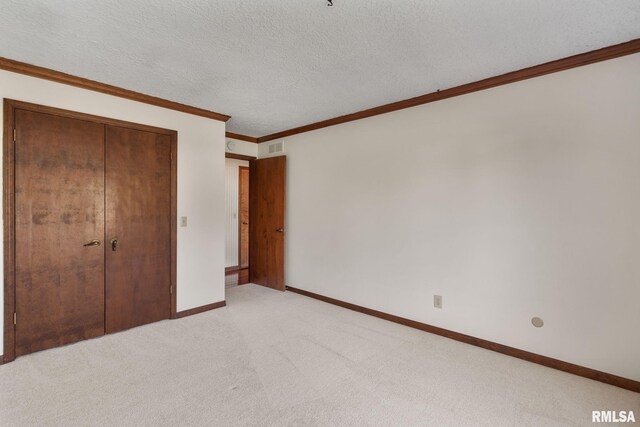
(276, 147)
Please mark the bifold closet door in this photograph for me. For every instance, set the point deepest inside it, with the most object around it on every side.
(138, 227)
(59, 230)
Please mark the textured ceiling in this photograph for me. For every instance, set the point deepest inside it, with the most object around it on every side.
(274, 65)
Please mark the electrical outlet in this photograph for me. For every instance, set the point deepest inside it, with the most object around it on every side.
(437, 301)
(183, 221)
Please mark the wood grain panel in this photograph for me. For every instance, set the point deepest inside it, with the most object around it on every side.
(138, 201)
(243, 216)
(8, 229)
(266, 224)
(59, 207)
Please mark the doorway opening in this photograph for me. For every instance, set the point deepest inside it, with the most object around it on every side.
(237, 177)
(255, 215)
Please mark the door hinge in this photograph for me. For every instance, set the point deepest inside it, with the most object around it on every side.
(14, 135)
(14, 318)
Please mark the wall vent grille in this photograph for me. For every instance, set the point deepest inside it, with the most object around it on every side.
(276, 147)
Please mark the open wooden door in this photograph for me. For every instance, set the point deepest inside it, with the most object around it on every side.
(266, 224)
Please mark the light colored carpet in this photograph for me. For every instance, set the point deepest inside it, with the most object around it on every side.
(272, 358)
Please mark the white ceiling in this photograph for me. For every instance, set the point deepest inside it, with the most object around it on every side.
(278, 64)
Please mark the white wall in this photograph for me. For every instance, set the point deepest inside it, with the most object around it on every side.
(242, 147)
(231, 208)
(514, 202)
(200, 257)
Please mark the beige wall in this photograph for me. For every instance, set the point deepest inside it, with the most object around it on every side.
(514, 202)
(242, 147)
(201, 189)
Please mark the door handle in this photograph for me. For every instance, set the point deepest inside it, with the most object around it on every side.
(280, 230)
(94, 242)
(245, 223)
(114, 244)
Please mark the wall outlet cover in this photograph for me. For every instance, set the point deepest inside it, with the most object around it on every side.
(437, 301)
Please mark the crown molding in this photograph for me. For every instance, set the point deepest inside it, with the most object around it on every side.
(574, 61)
(241, 137)
(59, 77)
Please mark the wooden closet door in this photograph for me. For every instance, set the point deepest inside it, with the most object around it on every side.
(138, 205)
(59, 209)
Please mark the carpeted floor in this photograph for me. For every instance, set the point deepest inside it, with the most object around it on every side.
(272, 358)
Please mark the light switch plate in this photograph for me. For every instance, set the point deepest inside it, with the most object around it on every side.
(183, 221)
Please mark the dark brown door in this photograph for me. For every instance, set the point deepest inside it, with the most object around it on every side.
(243, 202)
(59, 209)
(138, 227)
(266, 225)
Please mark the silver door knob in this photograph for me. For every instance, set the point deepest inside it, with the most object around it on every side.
(280, 230)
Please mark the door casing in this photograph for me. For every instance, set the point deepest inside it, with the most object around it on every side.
(8, 187)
